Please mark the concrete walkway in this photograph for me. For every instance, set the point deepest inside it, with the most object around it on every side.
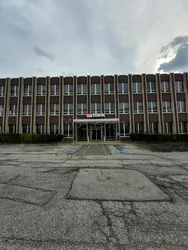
(97, 150)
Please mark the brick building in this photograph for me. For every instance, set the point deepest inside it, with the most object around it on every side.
(95, 107)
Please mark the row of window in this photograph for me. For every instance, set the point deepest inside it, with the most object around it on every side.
(152, 107)
(151, 87)
(153, 127)
(95, 88)
(95, 108)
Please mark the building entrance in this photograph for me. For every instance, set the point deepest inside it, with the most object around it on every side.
(96, 132)
(95, 129)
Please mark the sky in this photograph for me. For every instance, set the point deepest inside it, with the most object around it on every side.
(92, 37)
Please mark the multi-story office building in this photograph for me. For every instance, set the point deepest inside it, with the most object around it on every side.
(95, 107)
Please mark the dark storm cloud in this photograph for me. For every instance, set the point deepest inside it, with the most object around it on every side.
(40, 52)
(179, 40)
(180, 61)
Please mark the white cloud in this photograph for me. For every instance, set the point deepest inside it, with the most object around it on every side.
(87, 36)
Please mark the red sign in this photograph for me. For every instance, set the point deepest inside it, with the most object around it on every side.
(89, 115)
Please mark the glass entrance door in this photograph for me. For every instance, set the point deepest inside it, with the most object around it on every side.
(96, 133)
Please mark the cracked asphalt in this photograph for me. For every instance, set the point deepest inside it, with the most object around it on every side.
(77, 197)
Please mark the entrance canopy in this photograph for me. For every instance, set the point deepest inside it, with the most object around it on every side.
(107, 120)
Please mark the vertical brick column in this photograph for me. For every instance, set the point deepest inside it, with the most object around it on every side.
(20, 105)
(160, 104)
(102, 94)
(7, 104)
(145, 103)
(185, 80)
(34, 95)
(74, 107)
(61, 80)
(174, 103)
(89, 93)
(47, 105)
(132, 129)
(116, 100)
(60, 106)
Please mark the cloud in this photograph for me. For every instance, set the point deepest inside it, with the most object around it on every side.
(90, 36)
(41, 52)
(40, 70)
(176, 55)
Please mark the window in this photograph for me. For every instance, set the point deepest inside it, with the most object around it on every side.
(109, 88)
(123, 107)
(179, 86)
(54, 129)
(95, 89)
(68, 89)
(54, 109)
(165, 87)
(41, 89)
(12, 129)
(40, 109)
(153, 127)
(40, 129)
(137, 87)
(13, 110)
(26, 109)
(168, 127)
(152, 107)
(96, 108)
(181, 106)
(167, 106)
(54, 89)
(68, 109)
(82, 89)
(27, 90)
(109, 108)
(68, 130)
(151, 87)
(138, 107)
(124, 129)
(1, 110)
(139, 127)
(14, 90)
(2, 93)
(26, 129)
(82, 108)
(183, 127)
(123, 87)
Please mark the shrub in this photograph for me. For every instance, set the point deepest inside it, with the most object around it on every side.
(137, 137)
(166, 137)
(10, 138)
(182, 137)
(26, 137)
(159, 137)
(30, 138)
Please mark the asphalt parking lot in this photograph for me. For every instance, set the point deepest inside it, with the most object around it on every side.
(93, 197)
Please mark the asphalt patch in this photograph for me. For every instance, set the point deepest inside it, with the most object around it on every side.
(116, 184)
(26, 195)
